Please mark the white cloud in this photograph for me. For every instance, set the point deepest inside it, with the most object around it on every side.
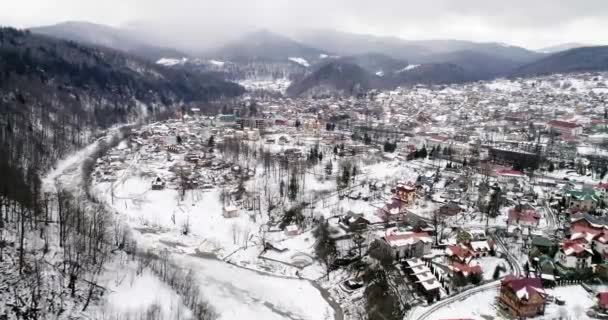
(532, 23)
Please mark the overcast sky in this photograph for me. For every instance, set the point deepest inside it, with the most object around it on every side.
(528, 23)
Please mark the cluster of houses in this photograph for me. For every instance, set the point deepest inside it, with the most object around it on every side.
(545, 135)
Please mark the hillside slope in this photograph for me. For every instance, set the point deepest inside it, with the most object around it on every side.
(57, 96)
(336, 77)
(573, 60)
(100, 35)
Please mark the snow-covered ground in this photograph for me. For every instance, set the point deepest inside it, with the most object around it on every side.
(300, 61)
(169, 62)
(157, 218)
(479, 306)
(578, 301)
(409, 67)
(279, 85)
(132, 294)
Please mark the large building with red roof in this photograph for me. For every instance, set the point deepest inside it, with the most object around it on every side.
(565, 128)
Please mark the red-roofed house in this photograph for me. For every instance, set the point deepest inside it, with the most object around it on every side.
(407, 244)
(574, 254)
(405, 193)
(565, 127)
(522, 297)
(473, 249)
(465, 270)
(393, 210)
(586, 230)
(602, 300)
(524, 217)
(459, 253)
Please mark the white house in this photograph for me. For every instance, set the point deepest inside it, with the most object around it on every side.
(407, 244)
(292, 230)
(231, 212)
(574, 255)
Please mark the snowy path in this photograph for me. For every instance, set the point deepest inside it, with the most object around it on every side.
(423, 313)
(233, 291)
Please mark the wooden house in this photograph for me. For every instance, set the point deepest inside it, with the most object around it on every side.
(522, 297)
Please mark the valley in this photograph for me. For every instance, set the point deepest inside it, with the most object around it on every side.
(259, 165)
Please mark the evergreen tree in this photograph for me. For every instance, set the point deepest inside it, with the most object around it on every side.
(325, 247)
(496, 274)
(293, 187)
(329, 168)
(345, 178)
(423, 152)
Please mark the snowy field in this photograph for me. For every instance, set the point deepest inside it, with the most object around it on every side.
(479, 306)
(157, 218)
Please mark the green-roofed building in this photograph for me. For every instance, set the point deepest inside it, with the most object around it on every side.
(544, 245)
(583, 200)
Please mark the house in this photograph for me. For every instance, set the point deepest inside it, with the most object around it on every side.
(429, 177)
(522, 297)
(508, 175)
(464, 270)
(459, 253)
(450, 209)
(565, 128)
(393, 210)
(406, 244)
(544, 245)
(602, 301)
(292, 230)
(230, 212)
(524, 217)
(582, 200)
(422, 277)
(405, 193)
(591, 231)
(354, 221)
(574, 254)
(465, 252)
(158, 184)
(481, 248)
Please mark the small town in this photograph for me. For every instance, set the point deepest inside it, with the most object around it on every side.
(483, 200)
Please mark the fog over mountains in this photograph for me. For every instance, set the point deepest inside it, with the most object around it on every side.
(326, 58)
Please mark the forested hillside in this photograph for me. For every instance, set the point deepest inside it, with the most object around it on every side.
(54, 93)
(55, 96)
